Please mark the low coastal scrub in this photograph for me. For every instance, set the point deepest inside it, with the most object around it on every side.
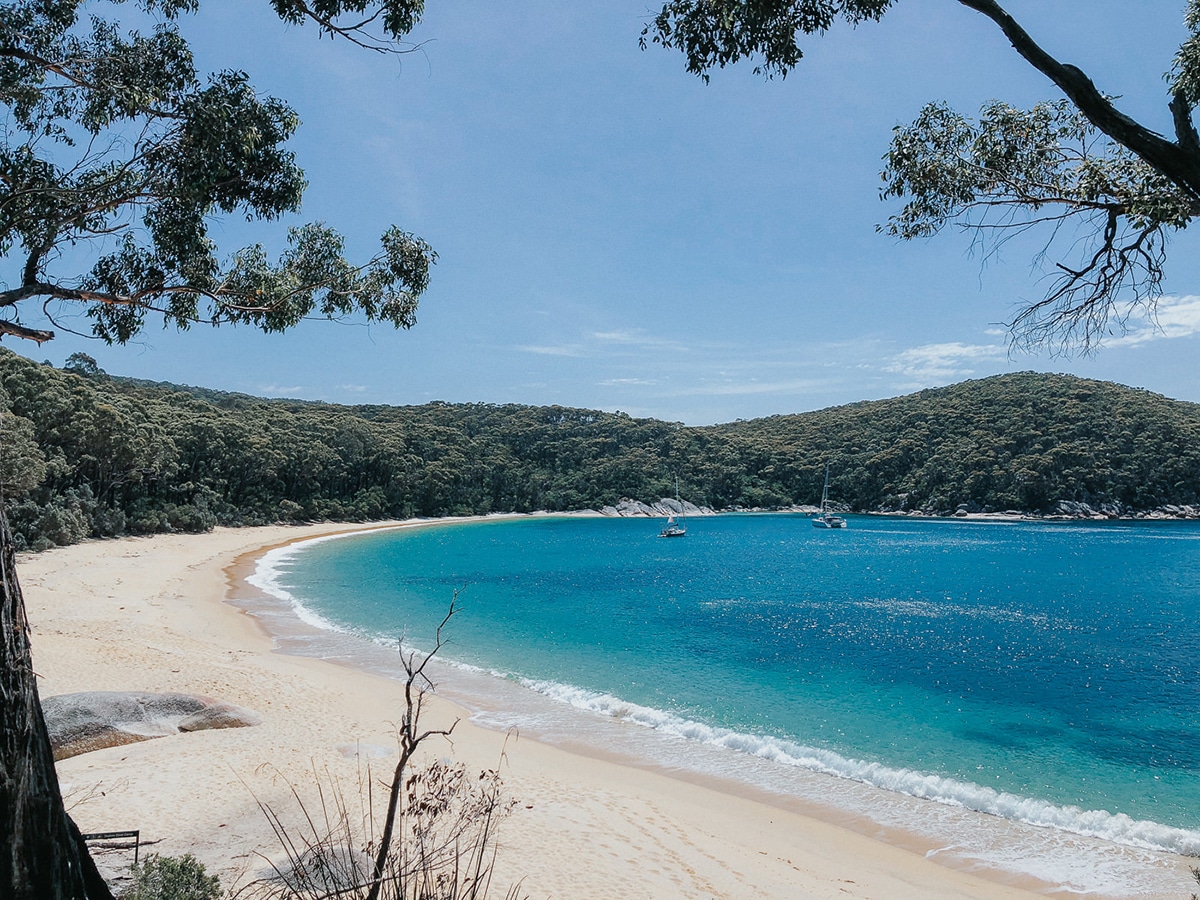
(172, 878)
(90, 455)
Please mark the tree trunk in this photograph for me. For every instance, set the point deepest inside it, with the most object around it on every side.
(42, 856)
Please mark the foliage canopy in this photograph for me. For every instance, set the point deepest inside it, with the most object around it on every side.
(116, 147)
(1109, 191)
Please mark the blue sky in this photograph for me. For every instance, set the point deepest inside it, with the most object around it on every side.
(615, 234)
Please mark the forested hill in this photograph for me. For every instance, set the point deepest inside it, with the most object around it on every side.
(1026, 441)
(88, 454)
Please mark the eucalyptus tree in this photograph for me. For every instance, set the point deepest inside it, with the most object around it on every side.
(1109, 191)
(116, 155)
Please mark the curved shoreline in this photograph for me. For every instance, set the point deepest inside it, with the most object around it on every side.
(942, 819)
(584, 826)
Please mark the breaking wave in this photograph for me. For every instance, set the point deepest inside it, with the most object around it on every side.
(269, 572)
(1118, 828)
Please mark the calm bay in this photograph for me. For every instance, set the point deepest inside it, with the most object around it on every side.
(1044, 673)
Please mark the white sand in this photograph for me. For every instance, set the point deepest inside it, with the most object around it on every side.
(148, 614)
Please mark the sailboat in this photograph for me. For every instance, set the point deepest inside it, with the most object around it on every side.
(673, 528)
(827, 519)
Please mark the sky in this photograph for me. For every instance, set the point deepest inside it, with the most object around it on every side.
(613, 233)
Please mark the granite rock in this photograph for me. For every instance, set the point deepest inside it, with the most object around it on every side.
(93, 720)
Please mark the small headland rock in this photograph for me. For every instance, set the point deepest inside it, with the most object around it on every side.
(667, 506)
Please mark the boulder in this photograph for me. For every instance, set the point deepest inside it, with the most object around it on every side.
(93, 720)
(628, 507)
(667, 506)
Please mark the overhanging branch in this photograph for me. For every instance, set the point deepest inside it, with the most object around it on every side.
(29, 334)
(1079, 308)
(1178, 162)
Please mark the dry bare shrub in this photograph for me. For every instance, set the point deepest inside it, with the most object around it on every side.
(443, 848)
(436, 840)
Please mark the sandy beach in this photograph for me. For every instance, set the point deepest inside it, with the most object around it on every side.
(150, 614)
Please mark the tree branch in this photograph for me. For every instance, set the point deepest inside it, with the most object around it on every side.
(45, 289)
(65, 71)
(57, 68)
(1185, 129)
(1082, 296)
(1178, 162)
(356, 34)
(29, 334)
(416, 683)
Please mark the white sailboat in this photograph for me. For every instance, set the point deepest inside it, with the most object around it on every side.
(674, 528)
(827, 519)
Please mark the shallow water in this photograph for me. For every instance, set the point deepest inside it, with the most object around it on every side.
(1046, 674)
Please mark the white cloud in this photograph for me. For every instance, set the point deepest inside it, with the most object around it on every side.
(621, 382)
(638, 339)
(598, 344)
(279, 390)
(547, 350)
(1174, 317)
(747, 388)
(938, 363)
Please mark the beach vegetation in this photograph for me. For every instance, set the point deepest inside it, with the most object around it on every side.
(172, 878)
(444, 848)
(1106, 191)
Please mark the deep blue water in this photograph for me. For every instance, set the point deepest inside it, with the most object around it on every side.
(1042, 672)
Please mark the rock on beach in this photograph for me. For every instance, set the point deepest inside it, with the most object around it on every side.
(94, 720)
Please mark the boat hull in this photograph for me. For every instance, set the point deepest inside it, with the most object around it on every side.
(829, 521)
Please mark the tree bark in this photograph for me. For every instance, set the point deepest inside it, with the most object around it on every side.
(42, 855)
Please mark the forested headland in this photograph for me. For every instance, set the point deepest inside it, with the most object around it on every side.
(85, 454)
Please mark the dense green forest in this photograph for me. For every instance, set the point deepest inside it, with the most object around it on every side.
(86, 454)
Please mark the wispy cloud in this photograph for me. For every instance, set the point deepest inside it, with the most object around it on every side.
(600, 344)
(935, 363)
(624, 382)
(552, 350)
(281, 390)
(751, 387)
(638, 339)
(1174, 317)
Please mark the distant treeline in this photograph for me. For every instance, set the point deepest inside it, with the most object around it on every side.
(85, 454)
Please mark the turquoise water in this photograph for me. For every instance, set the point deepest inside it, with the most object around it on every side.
(1046, 673)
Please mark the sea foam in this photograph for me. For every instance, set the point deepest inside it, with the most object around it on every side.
(1117, 828)
(269, 571)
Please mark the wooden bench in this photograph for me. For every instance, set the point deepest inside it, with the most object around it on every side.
(118, 840)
